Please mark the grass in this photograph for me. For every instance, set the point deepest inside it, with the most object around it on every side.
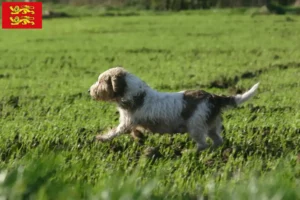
(47, 120)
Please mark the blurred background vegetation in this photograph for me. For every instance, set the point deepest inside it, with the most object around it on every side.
(176, 4)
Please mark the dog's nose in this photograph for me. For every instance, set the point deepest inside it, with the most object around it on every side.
(89, 91)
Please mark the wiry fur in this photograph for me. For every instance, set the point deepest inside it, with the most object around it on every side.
(141, 107)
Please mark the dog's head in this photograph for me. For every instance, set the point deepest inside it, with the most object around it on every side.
(111, 85)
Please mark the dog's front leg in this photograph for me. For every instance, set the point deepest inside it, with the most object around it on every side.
(121, 128)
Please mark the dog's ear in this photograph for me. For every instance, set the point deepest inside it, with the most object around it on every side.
(108, 84)
(118, 85)
(106, 89)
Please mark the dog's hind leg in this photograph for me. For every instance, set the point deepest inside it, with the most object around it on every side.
(198, 128)
(199, 133)
(215, 132)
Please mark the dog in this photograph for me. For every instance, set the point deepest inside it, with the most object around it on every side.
(141, 108)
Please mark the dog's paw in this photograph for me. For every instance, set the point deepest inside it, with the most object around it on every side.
(101, 138)
(190, 152)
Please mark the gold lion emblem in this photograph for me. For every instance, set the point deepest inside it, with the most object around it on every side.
(21, 20)
(15, 10)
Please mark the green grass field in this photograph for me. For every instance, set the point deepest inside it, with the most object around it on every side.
(48, 121)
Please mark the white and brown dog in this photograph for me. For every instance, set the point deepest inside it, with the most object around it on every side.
(194, 111)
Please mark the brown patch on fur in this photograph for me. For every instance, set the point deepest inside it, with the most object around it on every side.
(216, 104)
(191, 99)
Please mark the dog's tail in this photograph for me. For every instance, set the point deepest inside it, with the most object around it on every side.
(233, 101)
(241, 98)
